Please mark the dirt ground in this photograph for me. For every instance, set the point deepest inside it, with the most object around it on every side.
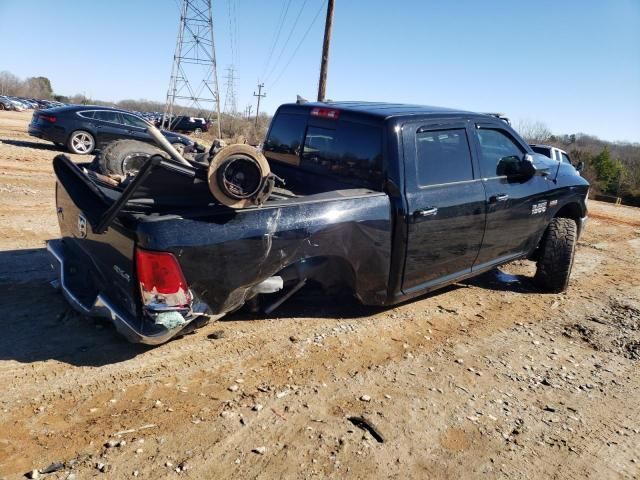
(488, 378)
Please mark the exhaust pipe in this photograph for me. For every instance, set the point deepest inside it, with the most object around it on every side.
(164, 144)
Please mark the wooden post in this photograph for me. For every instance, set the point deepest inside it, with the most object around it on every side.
(324, 63)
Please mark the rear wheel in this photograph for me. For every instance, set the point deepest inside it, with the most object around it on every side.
(81, 142)
(124, 157)
(556, 255)
(1, 106)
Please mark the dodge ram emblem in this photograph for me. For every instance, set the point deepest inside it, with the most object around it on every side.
(82, 226)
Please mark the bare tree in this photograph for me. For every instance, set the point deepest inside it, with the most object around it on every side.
(534, 131)
(9, 83)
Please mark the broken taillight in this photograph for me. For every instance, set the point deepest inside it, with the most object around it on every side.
(162, 283)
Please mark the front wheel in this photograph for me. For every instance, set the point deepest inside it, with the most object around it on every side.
(81, 142)
(556, 255)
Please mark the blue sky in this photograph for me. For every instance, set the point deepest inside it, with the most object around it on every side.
(574, 65)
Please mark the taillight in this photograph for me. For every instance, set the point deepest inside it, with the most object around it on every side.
(49, 118)
(161, 280)
(325, 113)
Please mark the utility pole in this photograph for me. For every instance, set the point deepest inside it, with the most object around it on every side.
(324, 63)
(259, 95)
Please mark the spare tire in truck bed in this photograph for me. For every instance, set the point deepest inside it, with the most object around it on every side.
(240, 177)
(126, 156)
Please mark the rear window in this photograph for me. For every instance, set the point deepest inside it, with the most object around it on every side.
(285, 138)
(107, 116)
(352, 152)
(346, 151)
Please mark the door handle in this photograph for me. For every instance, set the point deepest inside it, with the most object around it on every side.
(501, 197)
(427, 212)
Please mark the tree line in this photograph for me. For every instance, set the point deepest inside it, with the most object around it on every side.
(612, 168)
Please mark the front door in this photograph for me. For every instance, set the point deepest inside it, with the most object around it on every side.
(516, 205)
(446, 205)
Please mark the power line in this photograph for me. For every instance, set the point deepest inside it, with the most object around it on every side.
(284, 47)
(299, 44)
(283, 15)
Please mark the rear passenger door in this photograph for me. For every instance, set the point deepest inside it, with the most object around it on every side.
(109, 127)
(135, 127)
(446, 204)
(515, 204)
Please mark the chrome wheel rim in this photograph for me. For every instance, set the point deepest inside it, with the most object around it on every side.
(82, 142)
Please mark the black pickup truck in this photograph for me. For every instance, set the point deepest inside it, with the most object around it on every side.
(384, 201)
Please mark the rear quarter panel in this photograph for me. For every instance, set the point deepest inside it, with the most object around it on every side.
(223, 255)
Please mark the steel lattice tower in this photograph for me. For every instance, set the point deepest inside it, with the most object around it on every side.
(230, 104)
(194, 77)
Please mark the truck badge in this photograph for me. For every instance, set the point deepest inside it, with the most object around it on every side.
(82, 226)
(539, 207)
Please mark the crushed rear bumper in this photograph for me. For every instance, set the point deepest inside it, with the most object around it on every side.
(130, 327)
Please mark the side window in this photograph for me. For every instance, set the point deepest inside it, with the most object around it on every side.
(133, 121)
(285, 138)
(352, 152)
(87, 114)
(565, 158)
(498, 150)
(443, 157)
(107, 116)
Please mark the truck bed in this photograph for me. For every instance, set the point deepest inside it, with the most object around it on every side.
(222, 252)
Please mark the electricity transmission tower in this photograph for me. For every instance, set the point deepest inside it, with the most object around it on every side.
(194, 78)
(230, 105)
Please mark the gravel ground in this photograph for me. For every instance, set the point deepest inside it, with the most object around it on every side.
(488, 378)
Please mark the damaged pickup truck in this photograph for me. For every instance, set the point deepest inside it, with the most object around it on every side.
(383, 201)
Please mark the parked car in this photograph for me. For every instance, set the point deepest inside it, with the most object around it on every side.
(557, 154)
(553, 153)
(6, 103)
(189, 125)
(83, 128)
(385, 201)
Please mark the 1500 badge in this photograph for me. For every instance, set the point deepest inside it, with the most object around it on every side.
(539, 207)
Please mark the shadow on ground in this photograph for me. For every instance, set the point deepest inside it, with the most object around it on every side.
(37, 324)
(37, 145)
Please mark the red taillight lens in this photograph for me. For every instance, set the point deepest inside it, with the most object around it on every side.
(326, 113)
(49, 118)
(161, 279)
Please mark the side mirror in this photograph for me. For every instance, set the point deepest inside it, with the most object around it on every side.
(580, 166)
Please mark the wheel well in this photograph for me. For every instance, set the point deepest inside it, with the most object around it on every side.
(328, 271)
(572, 211)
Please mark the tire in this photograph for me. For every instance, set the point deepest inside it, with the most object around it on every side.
(197, 132)
(179, 147)
(81, 142)
(1, 106)
(557, 249)
(125, 156)
(244, 152)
